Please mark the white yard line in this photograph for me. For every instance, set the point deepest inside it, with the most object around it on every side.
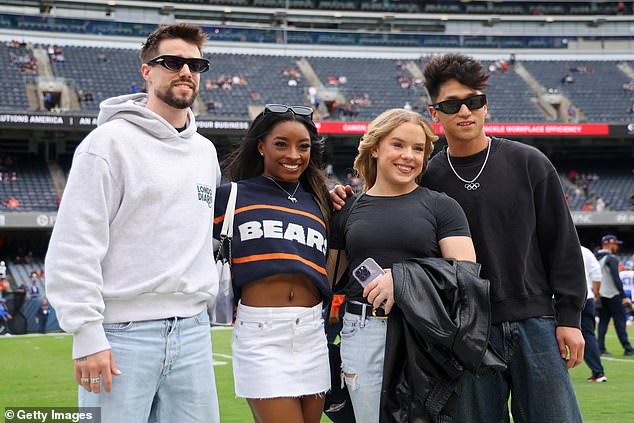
(620, 360)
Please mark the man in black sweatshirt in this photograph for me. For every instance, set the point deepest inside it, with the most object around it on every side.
(613, 297)
(528, 247)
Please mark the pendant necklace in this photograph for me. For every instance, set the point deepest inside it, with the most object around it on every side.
(471, 185)
(291, 197)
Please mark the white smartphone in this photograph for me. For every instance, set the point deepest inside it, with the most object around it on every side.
(367, 271)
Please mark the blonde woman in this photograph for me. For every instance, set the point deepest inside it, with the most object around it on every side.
(394, 220)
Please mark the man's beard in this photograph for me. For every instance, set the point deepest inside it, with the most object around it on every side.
(171, 100)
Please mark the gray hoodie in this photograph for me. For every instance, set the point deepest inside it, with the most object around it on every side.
(133, 238)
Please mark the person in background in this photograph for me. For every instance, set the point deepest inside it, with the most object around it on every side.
(34, 289)
(627, 277)
(41, 316)
(129, 268)
(591, 354)
(4, 287)
(5, 316)
(613, 297)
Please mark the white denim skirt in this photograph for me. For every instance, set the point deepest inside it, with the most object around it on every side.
(280, 352)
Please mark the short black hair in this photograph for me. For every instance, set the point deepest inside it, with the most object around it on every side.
(463, 69)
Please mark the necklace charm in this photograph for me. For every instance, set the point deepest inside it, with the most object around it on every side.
(291, 196)
(471, 185)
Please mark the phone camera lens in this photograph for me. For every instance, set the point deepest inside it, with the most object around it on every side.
(362, 273)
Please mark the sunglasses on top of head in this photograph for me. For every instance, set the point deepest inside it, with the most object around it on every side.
(451, 107)
(283, 108)
(176, 63)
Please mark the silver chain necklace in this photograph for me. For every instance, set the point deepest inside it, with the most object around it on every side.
(471, 185)
(291, 197)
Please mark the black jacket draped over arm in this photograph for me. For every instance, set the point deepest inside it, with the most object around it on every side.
(439, 327)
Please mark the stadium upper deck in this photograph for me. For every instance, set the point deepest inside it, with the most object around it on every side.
(413, 24)
(500, 7)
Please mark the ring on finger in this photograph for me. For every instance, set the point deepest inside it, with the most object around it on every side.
(84, 380)
(95, 380)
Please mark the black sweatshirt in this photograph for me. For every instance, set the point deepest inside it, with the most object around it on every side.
(523, 233)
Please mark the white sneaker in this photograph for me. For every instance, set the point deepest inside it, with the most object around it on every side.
(597, 379)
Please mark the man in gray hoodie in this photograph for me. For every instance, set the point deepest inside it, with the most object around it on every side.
(130, 263)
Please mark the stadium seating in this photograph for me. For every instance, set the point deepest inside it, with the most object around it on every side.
(410, 6)
(33, 186)
(262, 74)
(575, 198)
(609, 106)
(511, 99)
(612, 181)
(423, 33)
(12, 82)
(615, 188)
(90, 69)
(362, 76)
(21, 274)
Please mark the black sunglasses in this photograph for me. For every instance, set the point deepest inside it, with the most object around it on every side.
(453, 106)
(176, 63)
(283, 108)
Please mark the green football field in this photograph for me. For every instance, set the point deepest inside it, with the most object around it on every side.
(36, 371)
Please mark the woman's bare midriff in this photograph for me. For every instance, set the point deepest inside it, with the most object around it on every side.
(288, 290)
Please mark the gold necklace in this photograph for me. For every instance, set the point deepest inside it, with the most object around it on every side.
(291, 197)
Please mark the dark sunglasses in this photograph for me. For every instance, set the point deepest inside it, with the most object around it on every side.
(453, 106)
(283, 108)
(176, 63)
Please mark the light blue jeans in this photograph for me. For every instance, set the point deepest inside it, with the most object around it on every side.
(536, 377)
(362, 355)
(167, 373)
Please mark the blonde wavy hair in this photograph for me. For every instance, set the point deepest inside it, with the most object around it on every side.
(379, 128)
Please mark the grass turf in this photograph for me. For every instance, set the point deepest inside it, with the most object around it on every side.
(36, 371)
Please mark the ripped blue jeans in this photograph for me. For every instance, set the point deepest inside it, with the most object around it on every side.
(362, 355)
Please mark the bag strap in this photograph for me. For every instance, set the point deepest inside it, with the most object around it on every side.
(352, 207)
(227, 224)
(337, 267)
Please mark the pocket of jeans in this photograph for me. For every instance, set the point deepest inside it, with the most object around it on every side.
(117, 327)
(309, 327)
(246, 327)
(349, 328)
(202, 319)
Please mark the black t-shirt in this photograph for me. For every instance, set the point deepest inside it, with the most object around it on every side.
(392, 229)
